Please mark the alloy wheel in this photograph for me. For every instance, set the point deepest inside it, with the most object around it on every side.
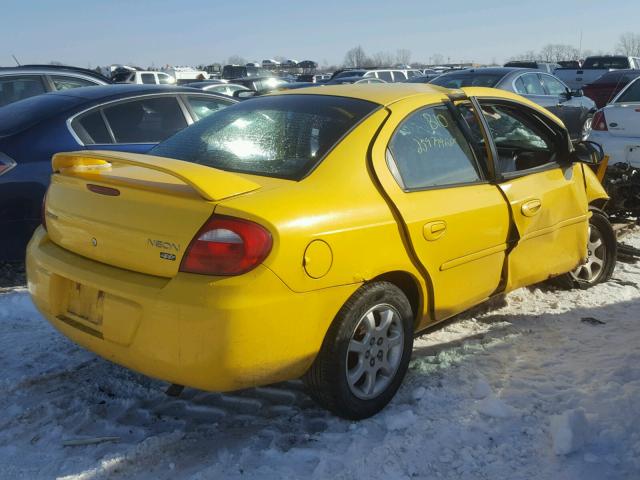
(592, 269)
(375, 351)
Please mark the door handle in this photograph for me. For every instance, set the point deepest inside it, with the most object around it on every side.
(531, 208)
(434, 230)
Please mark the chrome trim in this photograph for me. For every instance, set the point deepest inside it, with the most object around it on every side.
(70, 120)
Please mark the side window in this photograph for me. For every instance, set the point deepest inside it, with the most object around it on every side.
(64, 83)
(203, 106)
(370, 74)
(429, 151)
(519, 86)
(399, 76)
(531, 84)
(522, 143)
(148, 120)
(164, 79)
(14, 88)
(148, 78)
(91, 129)
(385, 75)
(553, 86)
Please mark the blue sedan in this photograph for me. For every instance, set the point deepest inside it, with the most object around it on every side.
(132, 118)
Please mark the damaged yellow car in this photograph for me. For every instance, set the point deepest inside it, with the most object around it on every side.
(312, 234)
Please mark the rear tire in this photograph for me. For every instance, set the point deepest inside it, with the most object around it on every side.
(601, 261)
(365, 354)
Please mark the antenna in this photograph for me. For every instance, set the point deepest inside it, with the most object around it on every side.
(16, 60)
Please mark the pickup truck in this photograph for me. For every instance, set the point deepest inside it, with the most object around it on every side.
(593, 68)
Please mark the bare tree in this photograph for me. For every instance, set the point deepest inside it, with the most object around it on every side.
(236, 60)
(629, 44)
(437, 59)
(403, 56)
(356, 57)
(381, 59)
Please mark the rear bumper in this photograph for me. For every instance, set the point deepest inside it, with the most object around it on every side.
(212, 333)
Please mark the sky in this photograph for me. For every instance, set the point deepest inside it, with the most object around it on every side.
(88, 33)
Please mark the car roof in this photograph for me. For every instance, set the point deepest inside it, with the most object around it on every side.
(493, 70)
(380, 93)
(118, 89)
(58, 69)
(388, 93)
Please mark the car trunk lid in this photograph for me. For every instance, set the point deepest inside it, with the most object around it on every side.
(623, 119)
(137, 212)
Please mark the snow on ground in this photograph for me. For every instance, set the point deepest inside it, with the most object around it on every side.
(521, 389)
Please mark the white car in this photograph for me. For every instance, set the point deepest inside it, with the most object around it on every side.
(143, 77)
(616, 127)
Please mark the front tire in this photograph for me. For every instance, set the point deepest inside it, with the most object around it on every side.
(365, 354)
(586, 127)
(602, 249)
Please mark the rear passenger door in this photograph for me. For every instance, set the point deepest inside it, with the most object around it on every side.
(135, 125)
(456, 222)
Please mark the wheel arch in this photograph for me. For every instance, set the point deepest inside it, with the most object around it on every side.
(410, 286)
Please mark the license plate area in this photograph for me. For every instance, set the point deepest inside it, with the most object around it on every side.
(85, 303)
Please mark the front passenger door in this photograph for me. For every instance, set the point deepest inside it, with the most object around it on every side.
(546, 194)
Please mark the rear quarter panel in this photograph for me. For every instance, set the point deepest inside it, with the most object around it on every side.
(339, 204)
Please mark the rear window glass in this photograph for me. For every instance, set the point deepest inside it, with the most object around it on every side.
(606, 62)
(458, 80)
(631, 94)
(281, 136)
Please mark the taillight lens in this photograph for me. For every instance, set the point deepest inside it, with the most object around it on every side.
(227, 246)
(6, 163)
(599, 122)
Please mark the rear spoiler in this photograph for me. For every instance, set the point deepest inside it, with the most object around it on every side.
(210, 183)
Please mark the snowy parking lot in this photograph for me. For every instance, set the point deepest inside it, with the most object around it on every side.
(542, 385)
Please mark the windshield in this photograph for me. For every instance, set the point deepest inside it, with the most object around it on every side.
(283, 136)
(468, 79)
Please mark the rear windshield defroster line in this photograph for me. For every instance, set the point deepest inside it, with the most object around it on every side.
(283, 136)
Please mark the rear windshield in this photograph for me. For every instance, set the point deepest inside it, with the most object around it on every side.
(606, 62)
(469, 79)
(631, 94)
(282, 136)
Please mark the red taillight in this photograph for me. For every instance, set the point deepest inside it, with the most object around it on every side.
(43, 210)
(227, 246)
(599, 123)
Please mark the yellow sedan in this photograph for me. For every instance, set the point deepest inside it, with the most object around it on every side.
(312, 234)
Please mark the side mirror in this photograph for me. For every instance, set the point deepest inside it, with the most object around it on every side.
(577, 93)
(586, 151)
(244, 94)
